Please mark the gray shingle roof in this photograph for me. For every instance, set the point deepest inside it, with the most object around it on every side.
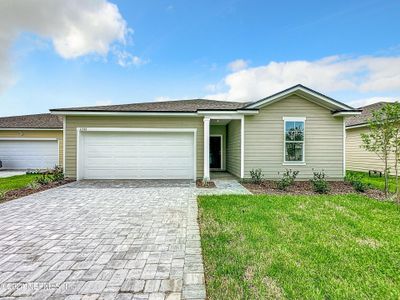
(365, 115)
(32, 121)
(192, 105)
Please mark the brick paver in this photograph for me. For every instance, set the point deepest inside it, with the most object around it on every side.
(103, 240)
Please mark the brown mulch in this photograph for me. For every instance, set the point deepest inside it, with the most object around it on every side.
(14, 194)
(305, 188)
(208, 185)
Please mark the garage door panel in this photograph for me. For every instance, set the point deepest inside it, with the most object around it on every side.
(137, 155)
(32, 154)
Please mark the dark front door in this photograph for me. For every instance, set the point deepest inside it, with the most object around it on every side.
(215, 152)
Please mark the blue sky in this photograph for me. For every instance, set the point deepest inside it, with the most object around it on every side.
(228, 50)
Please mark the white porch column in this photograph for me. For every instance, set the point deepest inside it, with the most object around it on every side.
(242, 147)
(206, 121)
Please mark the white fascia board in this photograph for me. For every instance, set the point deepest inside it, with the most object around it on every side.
(228, 112)
(346, 113)
(357, 126)
(102, 113)
(52, 129)
(295, 89)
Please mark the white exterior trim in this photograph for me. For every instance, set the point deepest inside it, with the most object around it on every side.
(344, 148)
(206, 128)
(295, 89)
(64, 141)
(227, 112)
(122, 113)
(28, 139)
(222, 168)
(111, 129)
(346, 113)
(242, 148)
(40, 129)
(357, 126)
(294, 163)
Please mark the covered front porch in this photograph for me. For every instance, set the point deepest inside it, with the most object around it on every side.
(223, 146)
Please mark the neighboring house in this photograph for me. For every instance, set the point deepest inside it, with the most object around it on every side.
(357, 158)
(31, 141)
(297, 128)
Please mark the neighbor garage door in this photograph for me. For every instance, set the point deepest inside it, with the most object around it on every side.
(28, 154)
(136, 155)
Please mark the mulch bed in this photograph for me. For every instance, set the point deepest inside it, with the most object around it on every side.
(200, 184)
(305, 188)
(14, 194)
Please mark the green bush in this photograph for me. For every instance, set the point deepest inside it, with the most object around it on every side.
(256, 176)
(356, 181)
(44, 179)
(287, 180)
(2, 195)
(33, 185)
(320, 185)
(58, 174)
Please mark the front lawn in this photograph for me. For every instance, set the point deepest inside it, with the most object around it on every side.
(300, 247)
(375, 181)
(16, 182)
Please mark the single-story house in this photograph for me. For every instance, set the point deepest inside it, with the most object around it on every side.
(297, 128)
(31, 141)
(357, 158)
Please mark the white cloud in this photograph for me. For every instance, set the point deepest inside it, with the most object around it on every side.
(75, 27)
(162, 99)
(126, 59)
(237, 65)
(371, 100)
(364, 74)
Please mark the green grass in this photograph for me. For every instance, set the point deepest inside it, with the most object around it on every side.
(375, 181)
(300, 247)
(16, 182)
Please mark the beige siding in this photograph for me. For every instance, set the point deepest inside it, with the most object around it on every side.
(220, 130)
(55, 134)
(358, 159)
(73, 122)
(264, 139)
(233, 148)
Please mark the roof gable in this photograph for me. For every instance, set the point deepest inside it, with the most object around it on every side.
(304, 92)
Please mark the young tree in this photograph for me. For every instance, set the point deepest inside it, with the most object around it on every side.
(380, 138)
(394, 114)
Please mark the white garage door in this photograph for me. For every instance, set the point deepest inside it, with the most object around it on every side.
(28, 154)
(136, 155)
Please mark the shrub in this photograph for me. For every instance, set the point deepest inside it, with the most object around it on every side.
(256, 176)
(2, 195)
(358, 185)
(287, 180)
(58, 174)
(33, 185)
(320, 185)
(43, 179)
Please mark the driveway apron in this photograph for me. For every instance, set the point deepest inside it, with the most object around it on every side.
(103, 240)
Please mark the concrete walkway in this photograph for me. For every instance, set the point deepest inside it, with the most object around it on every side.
(103, 240)
(9, 173)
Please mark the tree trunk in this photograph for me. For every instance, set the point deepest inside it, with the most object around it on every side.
(386, 176)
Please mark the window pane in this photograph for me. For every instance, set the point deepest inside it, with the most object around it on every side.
(294, 152)
(294, 131)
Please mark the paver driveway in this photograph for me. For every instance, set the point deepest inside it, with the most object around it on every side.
(103, 240)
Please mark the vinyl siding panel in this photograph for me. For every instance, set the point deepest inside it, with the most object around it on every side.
(233, 148)
(54, 134)
(220, 130)
(357, 158)
(264, 139)
(74, 122)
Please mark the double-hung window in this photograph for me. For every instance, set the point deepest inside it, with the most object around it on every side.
(294, 140)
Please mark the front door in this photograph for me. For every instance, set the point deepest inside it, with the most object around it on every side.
(215, 152)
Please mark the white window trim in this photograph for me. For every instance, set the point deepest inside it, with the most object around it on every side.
(294, 163)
